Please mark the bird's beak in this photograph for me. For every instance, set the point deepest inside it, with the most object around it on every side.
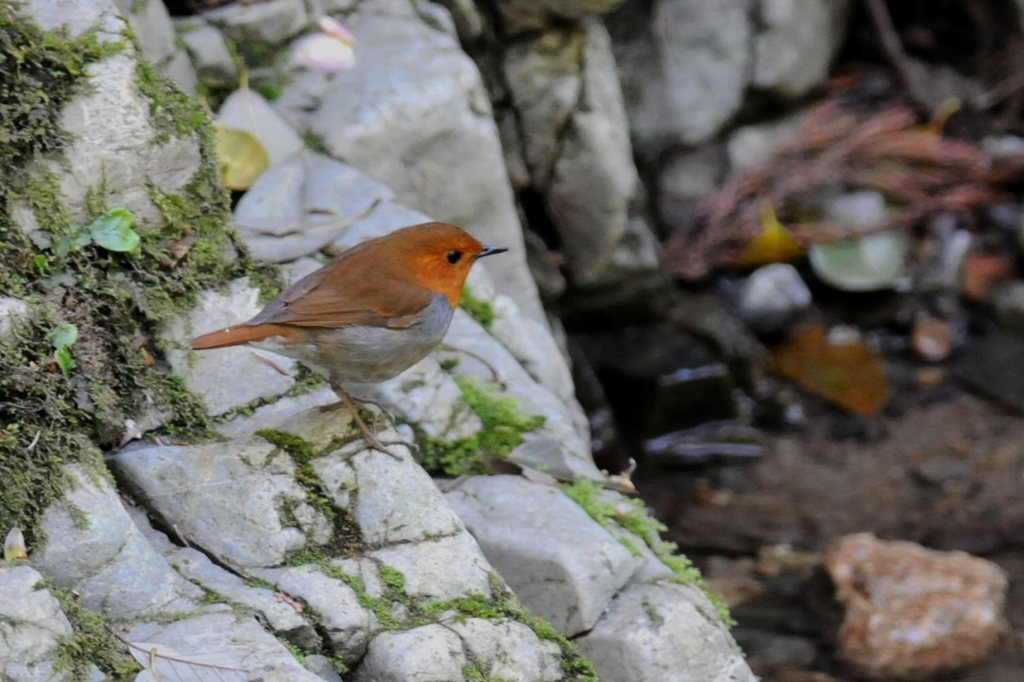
(490, 251)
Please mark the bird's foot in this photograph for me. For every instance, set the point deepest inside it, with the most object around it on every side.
(371, 440)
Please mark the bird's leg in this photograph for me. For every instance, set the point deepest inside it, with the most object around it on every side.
(368, 436)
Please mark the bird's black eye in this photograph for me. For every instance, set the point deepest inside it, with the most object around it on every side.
(454, 256)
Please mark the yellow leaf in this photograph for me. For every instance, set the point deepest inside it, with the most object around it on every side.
(775, 243)
(240, 156)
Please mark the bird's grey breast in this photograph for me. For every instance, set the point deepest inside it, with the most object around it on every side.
(368, 354)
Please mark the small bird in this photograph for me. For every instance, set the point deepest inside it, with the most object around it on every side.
(371, 313)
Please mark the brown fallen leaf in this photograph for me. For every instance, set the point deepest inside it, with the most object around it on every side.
(848, 374)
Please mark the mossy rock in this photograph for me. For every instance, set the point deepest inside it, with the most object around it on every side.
(114, 373)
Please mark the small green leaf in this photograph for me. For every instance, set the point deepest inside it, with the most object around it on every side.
(41, 262)
(113, 231)
(64, 335)
(64, 360)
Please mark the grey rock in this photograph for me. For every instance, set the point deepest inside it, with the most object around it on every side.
(566, 92)
(153, 29)
(269, 21)
(507, 650)
(860, 209)
(209, 51)
(558, 446)
(431, 653)
(346, 624)
(1001, 146)
(663, 631)
(277, 414)
(223, 497)
(299, 206)
(76, 17)
(469, 21)
(519, 16)
(752, 144)
(247, 110)
(181, 72)
(13, 311)
(32, 627)
(560, 562)
(796, 42)
(772, 296)
(280, 616)
(414, 114)
(120, 159)
(1009, 305)
(397, 501)
(439, 568)
(225, 378)
(428, 397)
(322, 667)
(120, 574)
(684, 67)
(222, 639)
(529, 341)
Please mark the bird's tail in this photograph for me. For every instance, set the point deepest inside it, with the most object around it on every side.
(242, 333)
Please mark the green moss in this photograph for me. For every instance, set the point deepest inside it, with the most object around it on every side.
(631, 515)
(117, 301)
(91, 642)
(504, 423)
(172, 111)
(347, 535)
(40, 71)
(480, 310)
(502, 604)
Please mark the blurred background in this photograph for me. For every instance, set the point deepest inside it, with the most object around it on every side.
(780, 241)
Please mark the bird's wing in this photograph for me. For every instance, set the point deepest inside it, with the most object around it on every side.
(353, 289)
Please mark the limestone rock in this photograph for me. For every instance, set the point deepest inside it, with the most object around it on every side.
(345, 623)
(209, 51)
(772, 296)
(911, 612)
(220, 638)
(414, 114)
(558, 561)
(439, 568)
(152, 26)
(121, 159)
(559, 446)
(13, 311)
(753, 144)
(796, 42)
(281, 617)
(269, 21)
(224, 497)
(32, 627)
(508, 650)
(663, 631)
(519, 16)
(566, 93)
(684, 67)
(299, 206)
(225, 378)
(119, 574)
(431, 653)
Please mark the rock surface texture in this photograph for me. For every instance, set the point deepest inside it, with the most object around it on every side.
(911, 612)
(271, 544)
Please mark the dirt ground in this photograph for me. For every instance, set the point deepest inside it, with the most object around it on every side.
(946, 470)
